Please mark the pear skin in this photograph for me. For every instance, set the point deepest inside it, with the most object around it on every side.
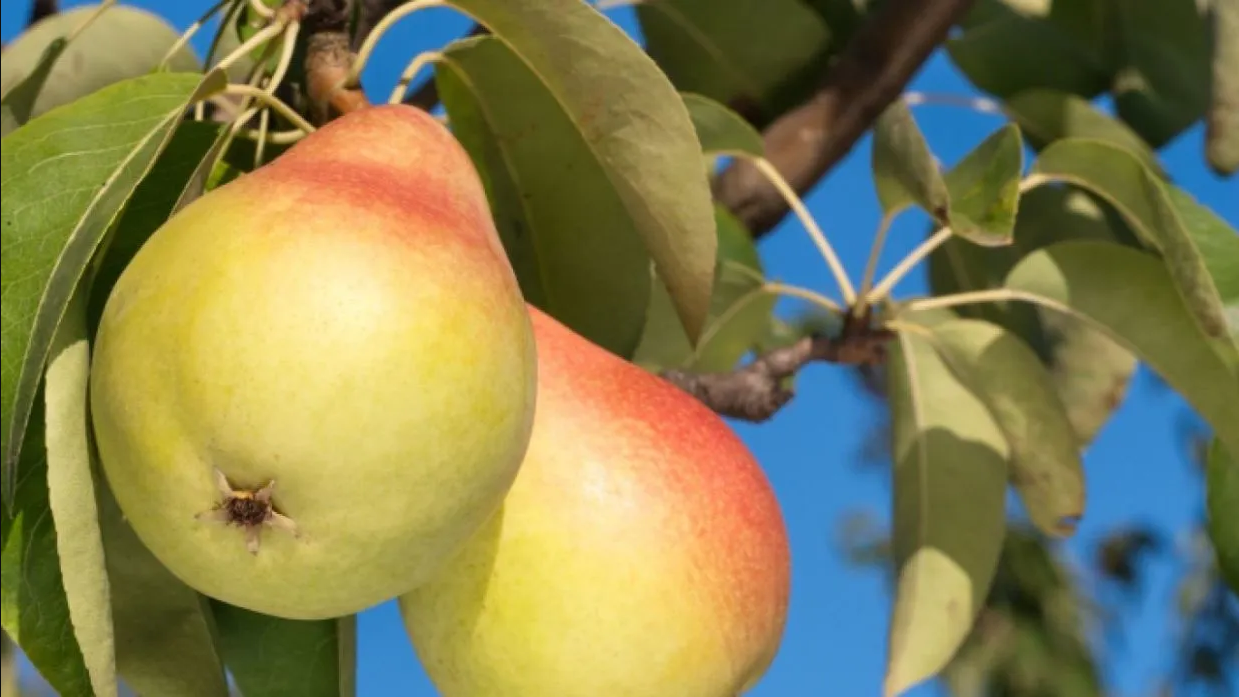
(640, 552)
(314, 383)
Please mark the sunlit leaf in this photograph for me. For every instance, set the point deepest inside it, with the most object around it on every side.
(573, 242)
(122, 42)
(1222, 487)
(741, 311)
(1089, 370)
(71, 498)
(33, 608)
(984, 189)
(1047, 115)
(1118, 176)
(95, 151)
(164, 636)
(1006, 375)
(275, 657)
(1218, 242)
(950, 482)
(1130, 295)
(708, 47)
(977, 198)
(632, 118)
(904, 170)
(720, 129)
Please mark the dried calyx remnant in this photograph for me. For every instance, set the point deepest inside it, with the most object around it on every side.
(754, 392)
(250, 510)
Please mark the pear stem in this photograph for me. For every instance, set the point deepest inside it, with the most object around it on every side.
(389, 20)
(273, 102)
(806, 219)
(410, 71)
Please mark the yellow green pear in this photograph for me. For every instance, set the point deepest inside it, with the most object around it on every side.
(314, 383)
(640, 553)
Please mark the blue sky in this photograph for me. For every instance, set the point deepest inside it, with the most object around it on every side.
(1137, 471)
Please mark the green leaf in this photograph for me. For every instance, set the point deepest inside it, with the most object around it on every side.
(1218, 244)
(985, 189)
(274, 657)
(1222, 130)
(904, 170)
(1118, 176)
(1161, 83)
(1131, 296)
(71, 498)
(1003, 52)
(720, 129)
(33, 608)
(571, 238)
(707, 47)
(1222, 489)
(67, 173)
(632, 118)
(1007, 376)
(123, 42)
(1049, 115)
(950, 482)
(152, 203)
(1089, 370)
(741, 311)
(978, 198)
(165, 642)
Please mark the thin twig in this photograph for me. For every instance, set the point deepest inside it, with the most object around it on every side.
(808, 141)
(756, 391)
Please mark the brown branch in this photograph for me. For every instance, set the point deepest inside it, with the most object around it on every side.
(806, 142)
(328, 60)
(42, 8)
(755, 392)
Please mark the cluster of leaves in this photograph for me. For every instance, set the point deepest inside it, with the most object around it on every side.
(596, 161)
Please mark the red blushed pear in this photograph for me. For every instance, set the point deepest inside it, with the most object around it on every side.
(312, 384)
(640, 552)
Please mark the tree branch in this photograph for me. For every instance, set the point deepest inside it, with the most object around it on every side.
(42, 8)
(755, 392)
(806, 142)
(328, 59)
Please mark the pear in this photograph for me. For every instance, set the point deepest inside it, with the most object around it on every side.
(314, 383)
(641, 550)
